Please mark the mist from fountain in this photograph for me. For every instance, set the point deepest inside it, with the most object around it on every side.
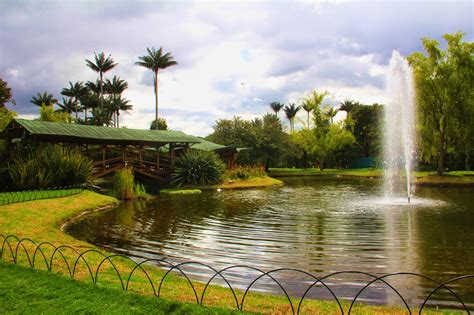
(399, 129)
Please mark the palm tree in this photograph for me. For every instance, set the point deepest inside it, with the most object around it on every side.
(290, 111)
(348, 105)
(276, 107)
(308, 107)
(76, 91)
(68, 106)
(156, 60)
(101, 65)
(43, 99)
(117, 104)
(331, 112)
(115, 88)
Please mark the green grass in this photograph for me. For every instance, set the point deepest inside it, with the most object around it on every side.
(254, 182)
(180, 191)
(25, 291)
(22, 196)
(41, 220)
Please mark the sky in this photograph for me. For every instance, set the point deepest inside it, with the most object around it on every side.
(234, 57)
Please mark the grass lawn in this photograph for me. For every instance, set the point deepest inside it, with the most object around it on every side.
(256, 182)
(424, 178)
(24, 290)
(41, 220)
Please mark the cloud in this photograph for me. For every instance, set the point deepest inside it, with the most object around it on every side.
(234, 57)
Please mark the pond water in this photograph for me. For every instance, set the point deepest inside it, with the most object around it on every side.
(317, 224)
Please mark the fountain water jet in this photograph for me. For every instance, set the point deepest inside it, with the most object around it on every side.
(399, 142)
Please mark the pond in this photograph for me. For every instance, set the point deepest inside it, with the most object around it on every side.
(317, 224)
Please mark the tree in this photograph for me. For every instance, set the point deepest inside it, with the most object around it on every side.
(76, 91)
(67, 106)
(5, 94)
(47, 113)
(348, 105)
(118, 104)
(159, 124)
(156, 60)
(276, 107)
(444, 93)
(101, 65)
(44, 99)
(270, 139)
(308, 107)
(367, 128)
(115, 88)
(330, 112)
(290, 111)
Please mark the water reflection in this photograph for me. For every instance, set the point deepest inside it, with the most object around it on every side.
(320, 225)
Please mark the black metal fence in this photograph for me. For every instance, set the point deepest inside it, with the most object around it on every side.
(28, 195)
(49, 254)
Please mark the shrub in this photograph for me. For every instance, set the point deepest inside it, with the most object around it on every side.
(198, 168)
(124, 184)
(245, 172)
(50, 166)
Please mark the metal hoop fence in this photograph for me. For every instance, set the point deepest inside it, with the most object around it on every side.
(95, 265)
(28, 195)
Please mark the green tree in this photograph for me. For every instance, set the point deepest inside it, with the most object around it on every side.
(290, 111)
(156, 60)
(444, 93)
(47, 113)
(76, 91)
(162, 124)
(270, 139)
(67, 106)
(118, 104)
(101, 65)
(5, 94)
(43, 99)
(308, 108)
(115, 88)
(276, 107)
(330, 112)
(367, 128)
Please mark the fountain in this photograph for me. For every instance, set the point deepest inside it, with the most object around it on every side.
(399, 142)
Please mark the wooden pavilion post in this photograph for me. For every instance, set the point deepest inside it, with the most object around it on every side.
(103, 157)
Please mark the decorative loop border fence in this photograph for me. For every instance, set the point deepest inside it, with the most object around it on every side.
(11, 245)
(28, 195)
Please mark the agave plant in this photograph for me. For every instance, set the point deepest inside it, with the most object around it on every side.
(198, 168)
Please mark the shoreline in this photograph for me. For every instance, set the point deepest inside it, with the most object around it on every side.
(421, 180)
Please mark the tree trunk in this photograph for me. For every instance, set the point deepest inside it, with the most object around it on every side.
(156, 99)
(467, 162)
(441, 149)
(305, 159)
(441, 154)
(267, 164)
(321, 165)
(118, 119)
(85, 115)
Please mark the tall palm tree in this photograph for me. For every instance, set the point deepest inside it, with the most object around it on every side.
(308, 107)
(290, 111)
(68, 105)
(115, 88)
(43, 99)
(117, 104)
(276, 107)
(156, 60)
(331, 112)
(348, 105)
(101, 65)
(76, 91)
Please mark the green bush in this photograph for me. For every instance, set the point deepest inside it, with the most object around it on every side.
(124, 187)
(245, 172)
(198, 168)
(50, 166)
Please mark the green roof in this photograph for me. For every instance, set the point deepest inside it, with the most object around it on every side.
(206, 145)
(65, 132)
